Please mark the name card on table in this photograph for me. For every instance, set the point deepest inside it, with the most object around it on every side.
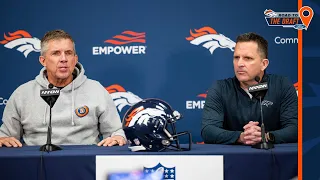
(174, 167)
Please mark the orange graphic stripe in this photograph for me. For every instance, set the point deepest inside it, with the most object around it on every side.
(300, 108)
(202, 95)
(115, 42)
(132, 33)
(123, 39)
(126, 38)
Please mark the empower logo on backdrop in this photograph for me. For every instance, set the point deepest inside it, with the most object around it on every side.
(124, 43)
(210, 39)
(23, 41)
(198, 104)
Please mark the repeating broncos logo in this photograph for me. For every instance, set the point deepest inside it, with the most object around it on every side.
(121, 97)
(210, 39)
(24, 40)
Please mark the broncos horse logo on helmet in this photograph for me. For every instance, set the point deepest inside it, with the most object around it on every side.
(210, 39)
(121, 97)
(149, 125)
(23, 40)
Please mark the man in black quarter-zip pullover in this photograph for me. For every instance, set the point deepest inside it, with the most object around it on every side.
(232, 116)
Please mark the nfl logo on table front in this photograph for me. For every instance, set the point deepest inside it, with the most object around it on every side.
(174, 167)
(168, 173)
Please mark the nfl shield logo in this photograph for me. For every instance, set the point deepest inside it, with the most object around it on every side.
(168, 173)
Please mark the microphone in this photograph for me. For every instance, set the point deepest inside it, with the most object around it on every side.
(50, 86)
(50, 96)
(259, 91)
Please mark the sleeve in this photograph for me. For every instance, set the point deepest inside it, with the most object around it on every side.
(212, 119)
(109, 119)
(288, 114)
(11, 124)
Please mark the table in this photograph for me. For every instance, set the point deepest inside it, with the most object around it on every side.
(78, 162)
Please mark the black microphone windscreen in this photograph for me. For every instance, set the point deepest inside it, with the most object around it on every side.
(50, 86)
(257, 78)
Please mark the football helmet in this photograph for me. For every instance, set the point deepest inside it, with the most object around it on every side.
(149, 125)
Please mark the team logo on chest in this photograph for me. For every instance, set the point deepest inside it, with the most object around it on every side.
(82, 111)
(266, 103)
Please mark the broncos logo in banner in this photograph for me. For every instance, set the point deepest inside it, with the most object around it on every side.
(270, 13)
(24, 42)
(121, 97)
(210, 39)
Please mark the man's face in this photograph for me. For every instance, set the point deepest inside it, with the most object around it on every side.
(247, 61)
(60, 59)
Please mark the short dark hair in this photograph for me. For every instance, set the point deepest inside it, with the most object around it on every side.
(262, 43)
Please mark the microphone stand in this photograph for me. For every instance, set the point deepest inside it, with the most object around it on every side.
(263, 144)
(48, 147)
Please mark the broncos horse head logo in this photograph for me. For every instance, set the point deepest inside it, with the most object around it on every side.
(24, 42)
(121, 97)
(210, 39)
(270, 13)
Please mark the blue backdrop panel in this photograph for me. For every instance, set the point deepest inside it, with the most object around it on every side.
(143, 49)
(146, 49)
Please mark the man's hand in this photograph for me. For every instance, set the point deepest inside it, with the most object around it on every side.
(10, 142)
(252, 133)
(111, 141)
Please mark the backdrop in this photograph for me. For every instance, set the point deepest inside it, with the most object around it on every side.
(146, 49)
(155, 49)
